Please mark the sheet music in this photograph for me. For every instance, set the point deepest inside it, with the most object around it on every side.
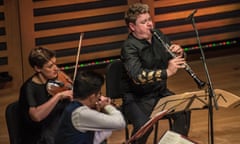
(195, 100)
(171, 137)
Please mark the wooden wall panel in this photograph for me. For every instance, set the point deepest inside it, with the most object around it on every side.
(27, 34)
(57, 24)
(94, 18)
(10, 53)
(3, 49)
(215, 20)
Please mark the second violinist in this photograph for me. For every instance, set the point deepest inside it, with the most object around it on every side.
(89, 118)
(40, 110)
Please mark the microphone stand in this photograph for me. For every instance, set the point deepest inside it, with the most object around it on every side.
(211, 94)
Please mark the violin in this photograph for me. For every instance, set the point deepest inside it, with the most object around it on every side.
(61, 83)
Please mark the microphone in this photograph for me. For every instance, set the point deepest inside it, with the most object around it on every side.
(191, 15)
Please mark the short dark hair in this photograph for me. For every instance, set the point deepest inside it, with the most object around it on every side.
(134, 10)
(40, 56)
(87, 83)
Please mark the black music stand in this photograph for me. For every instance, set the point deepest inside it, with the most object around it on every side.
(147, 126)
(196, 100)
(182, 102)
(212, 97)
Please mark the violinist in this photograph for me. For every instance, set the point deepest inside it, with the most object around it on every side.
(89, 118)
(39, 109)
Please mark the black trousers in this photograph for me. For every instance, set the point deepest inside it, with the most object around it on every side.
(138, 111)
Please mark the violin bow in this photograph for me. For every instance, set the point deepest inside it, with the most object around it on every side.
(77, 58)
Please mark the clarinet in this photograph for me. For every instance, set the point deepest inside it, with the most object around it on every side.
(199, 82)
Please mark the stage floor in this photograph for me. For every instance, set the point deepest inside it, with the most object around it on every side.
(224, 73)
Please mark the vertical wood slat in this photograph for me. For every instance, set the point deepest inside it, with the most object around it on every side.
(14, 66)
(1, 8)
(3, 52)
(27, 34)
(2, 24)
(3, 38)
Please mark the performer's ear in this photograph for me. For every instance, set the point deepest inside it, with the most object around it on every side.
(37, 69)
(131, 26)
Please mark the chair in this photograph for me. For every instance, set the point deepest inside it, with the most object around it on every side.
(13, 124)
(115, 86)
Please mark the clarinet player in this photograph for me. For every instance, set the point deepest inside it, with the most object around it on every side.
(148, 66)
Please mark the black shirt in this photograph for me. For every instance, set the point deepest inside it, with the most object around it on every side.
(33, 95)
(146, 64)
